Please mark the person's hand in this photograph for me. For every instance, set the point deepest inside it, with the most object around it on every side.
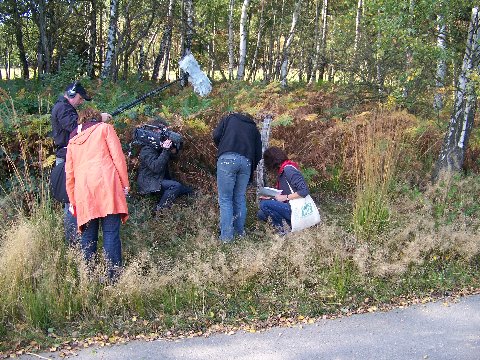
(72, 210)
(106, 117)
(126, 189)
(281, 198)
(167, 144)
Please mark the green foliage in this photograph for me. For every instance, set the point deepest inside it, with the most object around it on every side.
(283, 120)
(451, 202)
(71, 69)
(193, 104)
(371, 213)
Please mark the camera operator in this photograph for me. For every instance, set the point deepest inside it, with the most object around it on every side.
(154, 175)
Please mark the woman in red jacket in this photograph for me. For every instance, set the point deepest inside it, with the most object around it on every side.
(97, 185)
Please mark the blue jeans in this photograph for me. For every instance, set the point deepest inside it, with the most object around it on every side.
(171, 189)
(69, 221)
(233, 174)
(278, 212)
(111, 241)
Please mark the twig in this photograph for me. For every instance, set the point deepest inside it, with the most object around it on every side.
(41, 357)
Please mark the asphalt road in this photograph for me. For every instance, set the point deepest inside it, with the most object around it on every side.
(434, 331)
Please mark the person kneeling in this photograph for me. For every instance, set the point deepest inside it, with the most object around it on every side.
(292, 183)
(154, 175)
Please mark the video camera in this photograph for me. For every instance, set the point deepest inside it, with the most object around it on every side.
(155, 136)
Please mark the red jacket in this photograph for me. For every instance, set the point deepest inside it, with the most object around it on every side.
(96, 173)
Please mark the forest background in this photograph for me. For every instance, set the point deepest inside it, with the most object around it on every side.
(376, 99)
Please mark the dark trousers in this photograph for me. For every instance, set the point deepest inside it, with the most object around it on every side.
(171, 190)
(111, 241)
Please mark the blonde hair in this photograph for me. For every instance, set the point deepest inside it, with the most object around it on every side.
(89, 114)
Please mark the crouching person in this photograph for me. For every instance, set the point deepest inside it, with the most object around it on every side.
(154, 174)
(97, 185)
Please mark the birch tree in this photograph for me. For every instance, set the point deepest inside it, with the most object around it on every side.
(231, 56)
(452, 154)
(111, 40)
(320, 39)
(288, 43)
(261, 26)
(242, 52)
(358, 20)
(441, 63)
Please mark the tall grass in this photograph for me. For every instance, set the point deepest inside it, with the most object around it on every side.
(377, 149)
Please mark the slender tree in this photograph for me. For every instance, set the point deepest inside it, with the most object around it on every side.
(231, 55)
(288, 43)
(452, 154)
(441, 63)
(243, 40)
(111, 40)
(17, 25)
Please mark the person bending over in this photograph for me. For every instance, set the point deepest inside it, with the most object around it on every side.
(154, 173)
(97, 185)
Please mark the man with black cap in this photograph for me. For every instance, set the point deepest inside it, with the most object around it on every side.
(64, 121)
(64, 117)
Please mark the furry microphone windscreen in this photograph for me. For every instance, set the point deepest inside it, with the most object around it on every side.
(200, 82)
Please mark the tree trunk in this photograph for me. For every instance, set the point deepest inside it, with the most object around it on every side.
(380, 77)
(242, 52)
(452, 154)
(92, 46)
(111, 40)
(41, 20)
(253, 66)
(323, 57)
(187, 35)
(265, 136)
(231, 55)
(358, 34)
(312, 77)
(141, 63)
(17, 23)
(288, 43)
(441, 64)
(166, 39)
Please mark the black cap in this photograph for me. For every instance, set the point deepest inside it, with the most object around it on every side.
(77, 88)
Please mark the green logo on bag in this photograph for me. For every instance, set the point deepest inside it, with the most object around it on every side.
(307, 210)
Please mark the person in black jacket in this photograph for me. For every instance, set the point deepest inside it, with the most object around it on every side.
(64, 118)
(239, 151)
(154, 175)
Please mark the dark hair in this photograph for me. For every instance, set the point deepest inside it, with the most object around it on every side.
(158, 122)
(273, 157)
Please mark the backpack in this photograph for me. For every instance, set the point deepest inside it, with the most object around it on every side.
(58, 186)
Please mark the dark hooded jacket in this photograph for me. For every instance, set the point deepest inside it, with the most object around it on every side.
(64, 121)
(153, 169)
(238, 133)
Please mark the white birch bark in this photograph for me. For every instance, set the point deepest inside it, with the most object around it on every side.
(265, 136)
(358, 20)
(242, 53)
(111, 40)
(441, 64)
(288, 43)
(452, 154)
(253, 66)
(231, 56)
(316, 34)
